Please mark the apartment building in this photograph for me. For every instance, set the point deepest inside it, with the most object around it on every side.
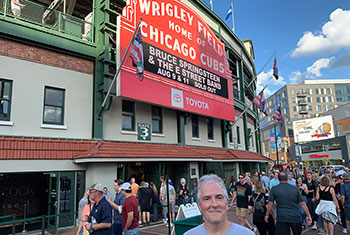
(299, 101)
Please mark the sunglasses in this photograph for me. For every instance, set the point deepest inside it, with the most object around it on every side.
(240, 178)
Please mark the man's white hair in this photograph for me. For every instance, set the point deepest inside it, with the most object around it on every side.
(205, 179)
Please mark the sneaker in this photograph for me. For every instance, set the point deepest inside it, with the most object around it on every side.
(164, 221)
(321, 231)
(314, 227)
(254, 230)
(345, 230)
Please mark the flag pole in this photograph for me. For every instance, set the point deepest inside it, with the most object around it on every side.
(233, 17)
(253, 80)
(252, 133)
(120, 66)
(276, 147)
(240, 116)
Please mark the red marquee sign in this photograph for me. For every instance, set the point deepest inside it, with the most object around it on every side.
(185, 63)
(319, 155)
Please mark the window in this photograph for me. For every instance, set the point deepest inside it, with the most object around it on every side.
(319, 108)
(195, 129)
(238, 135)
(295, 115)
(128, 113)
(309, 99)
(310, 108)
(328, 90)
(318, 99)
(284, 94)
(324, 107)
(292, 92)
(5, 99)
(295, 108)
(330, 99)
(324, 99)
(285, 102)
(53, 106)
(330, 107)
(157, 126)
(322, 91)
(230, 137)
(210, 124)
(294, 100)
(310, 115)
(279, 97)
(317, 91)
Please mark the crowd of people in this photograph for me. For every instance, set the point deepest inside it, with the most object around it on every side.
(132, 206)
(288, 200)
(280, 202)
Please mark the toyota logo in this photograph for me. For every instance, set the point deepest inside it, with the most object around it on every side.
(177, 98)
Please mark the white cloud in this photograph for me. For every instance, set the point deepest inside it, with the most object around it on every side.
(335, 35)
(267, 78)
(313, 71)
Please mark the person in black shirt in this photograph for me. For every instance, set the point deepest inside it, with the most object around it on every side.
(145, 201)
(184, 193)
(310, 197)
(243, 193)
(101, 213)
(257, 204)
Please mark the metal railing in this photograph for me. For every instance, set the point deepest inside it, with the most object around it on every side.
(46, 17)
(22, 222)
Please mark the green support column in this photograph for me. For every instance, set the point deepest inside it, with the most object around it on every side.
(224, 133)
(181, 128)
(222, 169)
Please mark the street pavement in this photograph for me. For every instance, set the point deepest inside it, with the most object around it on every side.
(161, 229)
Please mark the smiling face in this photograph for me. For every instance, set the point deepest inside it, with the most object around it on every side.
(213, 204)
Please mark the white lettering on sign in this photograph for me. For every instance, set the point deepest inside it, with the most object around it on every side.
(162, 9)
(197, 103)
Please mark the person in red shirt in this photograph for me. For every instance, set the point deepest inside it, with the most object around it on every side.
(130, 211)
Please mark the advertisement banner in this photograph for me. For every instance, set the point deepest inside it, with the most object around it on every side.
(185, 64)
(313, 129)
(272, 140)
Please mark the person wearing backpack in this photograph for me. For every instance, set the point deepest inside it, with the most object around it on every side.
(257, 206)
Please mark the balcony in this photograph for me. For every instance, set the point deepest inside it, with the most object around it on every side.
(303, 111)
(302, 102)
(301, 94)
(47, 19)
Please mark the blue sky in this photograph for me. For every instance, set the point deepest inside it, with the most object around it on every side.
(311, 37)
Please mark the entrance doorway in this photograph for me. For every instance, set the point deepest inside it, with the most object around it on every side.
(61, 200)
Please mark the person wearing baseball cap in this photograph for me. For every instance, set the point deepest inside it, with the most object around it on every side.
(101, 212)
(130, 211)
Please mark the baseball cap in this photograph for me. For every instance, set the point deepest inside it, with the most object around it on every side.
(125, 186)
(96, 186)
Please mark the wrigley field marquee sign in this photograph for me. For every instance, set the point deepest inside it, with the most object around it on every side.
(185, 65)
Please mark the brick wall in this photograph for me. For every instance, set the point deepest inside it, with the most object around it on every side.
(43, 56)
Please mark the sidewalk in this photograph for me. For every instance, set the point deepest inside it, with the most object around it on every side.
(161, 229)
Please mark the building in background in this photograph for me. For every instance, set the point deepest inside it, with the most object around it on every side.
(300, 101)
(59, 59)
(333, 149)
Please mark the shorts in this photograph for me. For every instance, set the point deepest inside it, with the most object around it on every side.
(171, 206)
(145, 208)
(242, 212)
(347, 212)
(16, 12)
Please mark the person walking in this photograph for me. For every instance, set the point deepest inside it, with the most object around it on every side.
(287, 199)
(337, 189)
(85, 216)
(328, 206)
(117, 207)
(172, 199)
(212, 200)
(145, 200)
(310, 198)
(231, 187)
(243, 193)
(184, 192)
(304, 191)
(274, 181)
(345, 195)
(101, 212)
(155, 201)
(130, 211)
(257, 205)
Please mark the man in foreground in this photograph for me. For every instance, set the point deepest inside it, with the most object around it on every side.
(117, 207)
(101, 212)
(213, 203)
(287, 198)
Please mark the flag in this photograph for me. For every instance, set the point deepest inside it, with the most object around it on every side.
(275, 70)
(260, 103)
(229, 14)
(211, 4)
(277, 115)
(136, 55)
